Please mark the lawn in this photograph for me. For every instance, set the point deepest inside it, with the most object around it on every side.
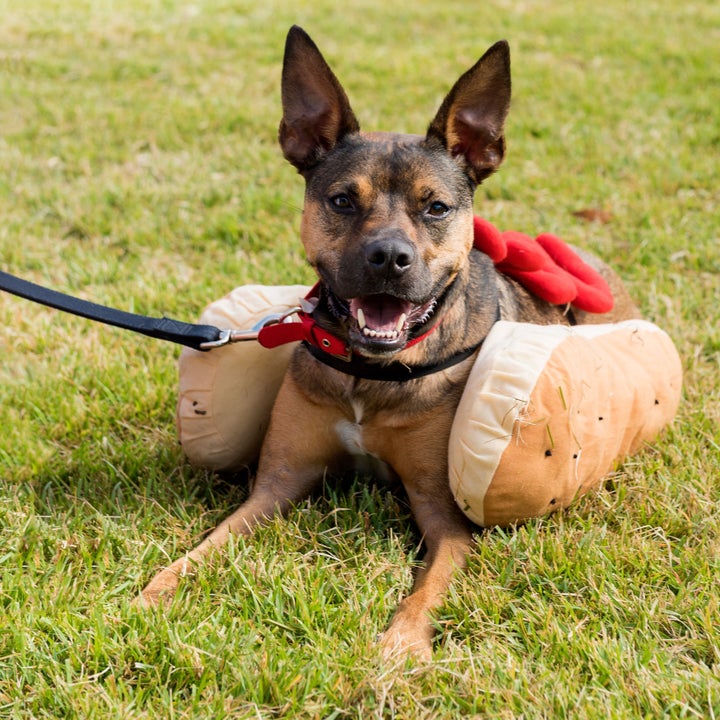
(140, 169)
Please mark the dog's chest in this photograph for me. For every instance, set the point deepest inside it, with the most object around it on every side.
(358, 441)
(350, 431)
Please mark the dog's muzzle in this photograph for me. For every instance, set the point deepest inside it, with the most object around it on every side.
(383, 295)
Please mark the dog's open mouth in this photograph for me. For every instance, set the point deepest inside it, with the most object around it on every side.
(381, 323)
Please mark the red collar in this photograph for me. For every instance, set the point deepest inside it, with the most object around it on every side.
(307, 330)
(332, 351)
(303, 329)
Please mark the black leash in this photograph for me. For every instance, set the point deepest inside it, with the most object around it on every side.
(206, 337)
(190, 335)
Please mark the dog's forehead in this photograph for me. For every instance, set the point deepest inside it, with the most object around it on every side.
(391, 139)
(390, 162)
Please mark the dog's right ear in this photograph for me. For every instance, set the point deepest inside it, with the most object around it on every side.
(316, 111)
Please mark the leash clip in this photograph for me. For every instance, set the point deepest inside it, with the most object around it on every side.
(229, 336)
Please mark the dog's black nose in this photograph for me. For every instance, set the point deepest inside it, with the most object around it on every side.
(389, 257)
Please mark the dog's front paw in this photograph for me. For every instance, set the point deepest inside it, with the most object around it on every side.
(163, 586)
(408, 635)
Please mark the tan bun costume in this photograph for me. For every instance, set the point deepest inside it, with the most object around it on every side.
(547, 412)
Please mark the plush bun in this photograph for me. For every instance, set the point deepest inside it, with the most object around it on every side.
(226, 395)
(548, 411)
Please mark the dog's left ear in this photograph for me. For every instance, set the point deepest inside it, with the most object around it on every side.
(469, 123)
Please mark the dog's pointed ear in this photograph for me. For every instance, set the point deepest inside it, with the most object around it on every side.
(469, 123)
(316, 111)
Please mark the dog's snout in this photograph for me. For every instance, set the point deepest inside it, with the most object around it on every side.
(390, 257)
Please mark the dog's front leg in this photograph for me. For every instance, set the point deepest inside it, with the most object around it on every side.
(299, 445)
(448, 539)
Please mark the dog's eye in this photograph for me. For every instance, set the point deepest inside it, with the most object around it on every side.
(438, 209)
(342, 203)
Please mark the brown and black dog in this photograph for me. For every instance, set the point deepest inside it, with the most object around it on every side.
(388, 226)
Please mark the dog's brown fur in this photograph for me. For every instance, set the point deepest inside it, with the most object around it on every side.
(388, 222)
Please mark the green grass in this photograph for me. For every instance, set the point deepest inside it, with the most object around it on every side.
(140, 169)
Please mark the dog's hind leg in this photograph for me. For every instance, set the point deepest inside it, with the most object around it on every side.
(292, 462)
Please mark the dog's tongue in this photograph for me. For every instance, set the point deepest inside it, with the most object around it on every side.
(382, 313)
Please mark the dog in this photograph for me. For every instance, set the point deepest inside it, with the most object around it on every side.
(388, 227)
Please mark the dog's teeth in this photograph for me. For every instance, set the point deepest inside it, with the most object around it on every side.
(382, 334)
(361, 318)
(401, 323)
